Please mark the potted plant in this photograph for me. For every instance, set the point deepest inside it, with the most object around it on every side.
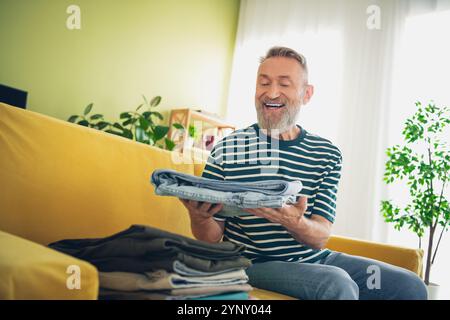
(193, 132)
(424, 162)
(134, 125)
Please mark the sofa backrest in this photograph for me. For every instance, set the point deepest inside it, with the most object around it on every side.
(60, 180)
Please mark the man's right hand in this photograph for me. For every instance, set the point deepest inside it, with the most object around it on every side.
(201, 210)
(202, 226)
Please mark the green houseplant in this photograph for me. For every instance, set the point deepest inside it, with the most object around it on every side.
(139, 125)
(193, 134)
(424, 162)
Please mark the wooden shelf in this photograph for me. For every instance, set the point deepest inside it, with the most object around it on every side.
(186, 117)
(210, 119)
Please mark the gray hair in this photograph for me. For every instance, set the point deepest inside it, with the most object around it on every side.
(288, 53)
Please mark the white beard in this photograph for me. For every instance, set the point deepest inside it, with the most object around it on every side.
(286, 122)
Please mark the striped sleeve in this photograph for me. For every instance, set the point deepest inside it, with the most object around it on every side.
(325, 200)
(214, 170)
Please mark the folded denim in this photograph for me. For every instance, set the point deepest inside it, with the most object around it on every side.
(234, 195)
(179, 263)
(163, 280)
(147, 242)
(179, 294)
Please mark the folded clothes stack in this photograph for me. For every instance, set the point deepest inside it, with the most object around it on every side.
(234, 195)
(143, 262)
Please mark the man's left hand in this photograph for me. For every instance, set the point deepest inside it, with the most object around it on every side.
(288, 216)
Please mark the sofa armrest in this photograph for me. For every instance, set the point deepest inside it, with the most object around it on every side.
(32, 271)
(408, 258)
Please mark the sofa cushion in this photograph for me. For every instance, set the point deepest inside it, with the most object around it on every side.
(60, 180)
(31, 271)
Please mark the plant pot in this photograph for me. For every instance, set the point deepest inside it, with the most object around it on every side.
(433, 291)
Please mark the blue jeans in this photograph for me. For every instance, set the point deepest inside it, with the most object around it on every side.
(234, 195)
(339, 276)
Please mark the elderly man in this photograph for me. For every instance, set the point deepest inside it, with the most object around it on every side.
(287, 245)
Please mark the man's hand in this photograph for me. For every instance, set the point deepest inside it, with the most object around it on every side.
(201, 210)
(313, 231)
(202, 225)
(288, 216)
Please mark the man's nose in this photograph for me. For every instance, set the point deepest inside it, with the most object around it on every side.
(273, 92)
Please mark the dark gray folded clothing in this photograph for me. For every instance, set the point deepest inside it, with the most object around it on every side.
(146, 241)
(149, 263)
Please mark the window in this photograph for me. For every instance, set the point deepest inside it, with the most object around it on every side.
(422, 74)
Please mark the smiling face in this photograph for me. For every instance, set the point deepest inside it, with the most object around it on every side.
(280, 92)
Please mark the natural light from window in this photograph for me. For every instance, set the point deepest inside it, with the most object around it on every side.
(422, 74)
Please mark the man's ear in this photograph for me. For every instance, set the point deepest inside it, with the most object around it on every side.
(309, 91)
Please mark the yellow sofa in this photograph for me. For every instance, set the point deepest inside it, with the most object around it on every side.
(60, 180)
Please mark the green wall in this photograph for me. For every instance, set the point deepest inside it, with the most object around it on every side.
(179, 49)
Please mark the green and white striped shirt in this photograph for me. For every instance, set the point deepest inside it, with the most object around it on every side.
(250, 155)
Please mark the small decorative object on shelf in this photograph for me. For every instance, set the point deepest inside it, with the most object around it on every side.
(209, 138)
(205, 128)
